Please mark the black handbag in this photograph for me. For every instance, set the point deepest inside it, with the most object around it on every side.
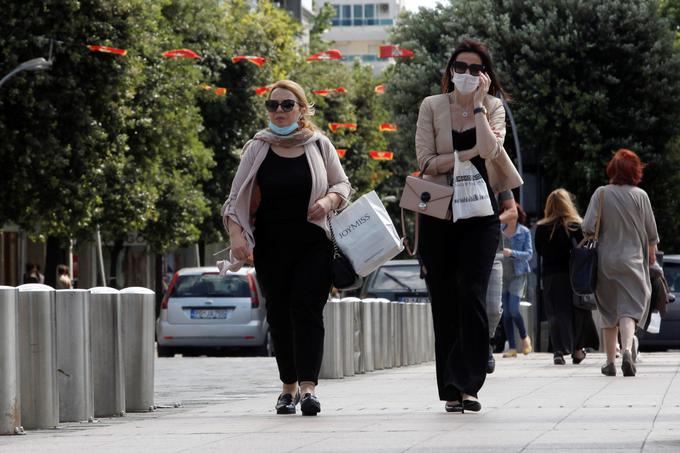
(342, 271)
(583, 261)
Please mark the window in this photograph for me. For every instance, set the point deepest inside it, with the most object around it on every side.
(369, 14)
(335, 21)
(386, 22)
(384, 9)
(346, 19)
(358, 14)
(211, 285)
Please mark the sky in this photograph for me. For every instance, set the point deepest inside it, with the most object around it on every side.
(412, 5)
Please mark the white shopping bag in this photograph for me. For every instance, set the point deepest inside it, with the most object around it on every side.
(470, 195)
(654, 322)
(366, 235)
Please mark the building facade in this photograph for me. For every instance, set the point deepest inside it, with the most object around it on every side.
(360, 27)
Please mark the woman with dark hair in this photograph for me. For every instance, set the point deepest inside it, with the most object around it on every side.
(571, 328)
(466, 121)
(517, 252)
(288, 180)
(626, 248)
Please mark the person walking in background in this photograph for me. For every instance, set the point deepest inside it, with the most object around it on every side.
(288, 180)
(517, 252)
(31, 274)
(571, 328)
(627, 246)
(466, 121)
(63, 278)
(494, 292)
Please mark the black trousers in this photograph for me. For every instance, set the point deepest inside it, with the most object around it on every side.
(295, 275)
(458, 258)
(571, 328)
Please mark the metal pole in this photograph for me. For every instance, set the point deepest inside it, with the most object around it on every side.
(198, 255)
(520, 166)
(100, 257)
(10, 404)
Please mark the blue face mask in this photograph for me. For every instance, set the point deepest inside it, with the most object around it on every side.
(285, 130)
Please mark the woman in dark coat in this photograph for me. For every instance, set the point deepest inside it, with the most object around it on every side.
(571, 328)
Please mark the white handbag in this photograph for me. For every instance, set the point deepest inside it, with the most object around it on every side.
(470, 194)
(365, 234)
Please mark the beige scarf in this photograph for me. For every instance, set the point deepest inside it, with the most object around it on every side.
(298, 138)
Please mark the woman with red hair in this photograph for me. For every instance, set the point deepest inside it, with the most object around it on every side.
(626, 248)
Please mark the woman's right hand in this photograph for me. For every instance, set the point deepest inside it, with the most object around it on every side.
(239, 247)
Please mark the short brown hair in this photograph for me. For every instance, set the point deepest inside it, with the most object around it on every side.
(625, 168)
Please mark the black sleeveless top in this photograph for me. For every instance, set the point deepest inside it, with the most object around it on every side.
(285, 187)
(467, 139)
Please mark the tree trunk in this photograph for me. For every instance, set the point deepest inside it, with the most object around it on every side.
(113, 261)
(201, 251)
(55, 255)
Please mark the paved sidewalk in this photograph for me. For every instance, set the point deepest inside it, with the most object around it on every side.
(529, 405)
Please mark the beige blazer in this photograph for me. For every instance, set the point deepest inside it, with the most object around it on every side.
(327, 176)
(433, 139)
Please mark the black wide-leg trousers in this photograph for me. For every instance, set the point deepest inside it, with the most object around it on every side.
(295, 276)
(458, 258)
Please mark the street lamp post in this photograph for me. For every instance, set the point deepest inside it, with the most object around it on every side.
(36, 64)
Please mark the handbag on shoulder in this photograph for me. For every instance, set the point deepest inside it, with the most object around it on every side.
(423, 197)
(583, 260)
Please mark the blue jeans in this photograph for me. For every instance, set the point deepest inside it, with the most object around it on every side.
(512, 317)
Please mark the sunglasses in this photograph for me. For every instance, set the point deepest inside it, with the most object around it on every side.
(460, 67)
(286, 105)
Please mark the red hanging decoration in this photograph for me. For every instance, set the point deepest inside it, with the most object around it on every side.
(257, 61)
(331, 54)
(392, 51)
(335, 126)
(380, 89)
(381, 155)
(105, 49)
(341, 153)
(181, 53)
(328, 91)
(220, 91)
(388, 127)
(262, 90)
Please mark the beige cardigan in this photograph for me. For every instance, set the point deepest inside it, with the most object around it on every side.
(327, 176)
(433, 139)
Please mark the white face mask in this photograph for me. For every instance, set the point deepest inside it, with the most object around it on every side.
(465, 83)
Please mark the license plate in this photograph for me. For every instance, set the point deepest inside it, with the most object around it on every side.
(412, 299)
(209, 314)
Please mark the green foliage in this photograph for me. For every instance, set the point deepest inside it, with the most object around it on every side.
(587, 78)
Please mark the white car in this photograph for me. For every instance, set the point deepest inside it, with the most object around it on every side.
(203, 309)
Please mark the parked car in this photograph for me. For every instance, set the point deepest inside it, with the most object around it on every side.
(669, 333)
(396, 280)
(203, 309)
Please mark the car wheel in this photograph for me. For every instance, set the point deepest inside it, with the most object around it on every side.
(267, 348)
(166, 351)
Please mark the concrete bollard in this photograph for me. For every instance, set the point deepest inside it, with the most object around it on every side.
(108, 372)
(138, 319)
(405, 334)
(398, 333)
(385, 322)
(391, 334)
(359, 365)
(367, 359)
(376, 314)
(74, 356)
(347, 336)
(38, 356)
(332, 364)
(10, 404)
(430, 333)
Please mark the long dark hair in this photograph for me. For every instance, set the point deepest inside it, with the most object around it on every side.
(481, 49)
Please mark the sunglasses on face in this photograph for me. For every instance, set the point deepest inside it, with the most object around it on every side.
(286, 105)
(460, 67)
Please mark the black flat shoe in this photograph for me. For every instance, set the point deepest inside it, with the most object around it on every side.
(471, 406)
(491, 362)
(558, 359)
(608, 369)
(286, 403)
(310, 405)
(627, 365)
(455, 406)
(576, 360)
